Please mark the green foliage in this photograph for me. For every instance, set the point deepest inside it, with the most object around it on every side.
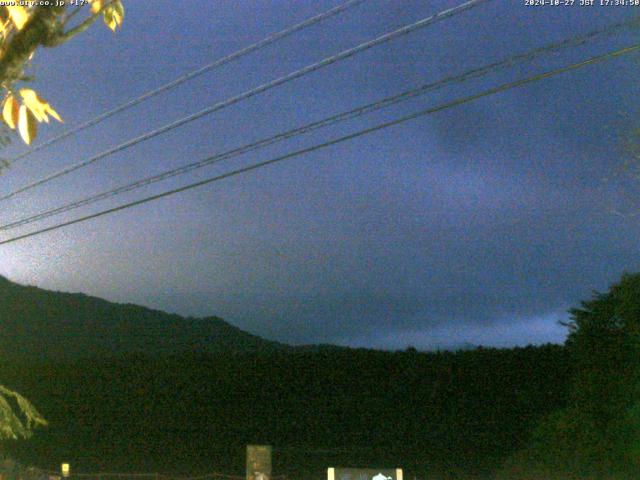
(206, 389)
(435, 414)
(18, 417)
(605, 346)
(565, 445)
(598, 435)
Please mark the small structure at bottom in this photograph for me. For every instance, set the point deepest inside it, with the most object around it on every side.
(364, 473)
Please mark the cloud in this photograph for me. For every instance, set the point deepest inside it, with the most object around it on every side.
(481, 224)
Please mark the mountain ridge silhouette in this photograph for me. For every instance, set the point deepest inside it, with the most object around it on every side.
(46, 324)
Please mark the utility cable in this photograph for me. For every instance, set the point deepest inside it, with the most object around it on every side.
(297, 153)
(191, 75)
(250, 93)
(371, 107)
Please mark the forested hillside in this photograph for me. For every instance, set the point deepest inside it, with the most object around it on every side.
(194, 412)
(558, 412)
(42, 324)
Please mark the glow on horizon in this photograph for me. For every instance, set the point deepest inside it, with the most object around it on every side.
(533, 330)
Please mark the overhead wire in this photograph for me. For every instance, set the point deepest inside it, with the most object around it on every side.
(343, 116)
(450, 12)
(335, 141)
(273, 38)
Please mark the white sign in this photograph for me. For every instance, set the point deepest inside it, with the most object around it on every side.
(364, 474)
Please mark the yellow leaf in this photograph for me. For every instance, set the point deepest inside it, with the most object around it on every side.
(113, 15)
(27, 125)
(10, 111)
(33, 102)
(96, 6)
(40, 109)
(119, 9)
(53, 113)
(19, 16)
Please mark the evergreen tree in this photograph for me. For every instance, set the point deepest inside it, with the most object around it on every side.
(597, 435)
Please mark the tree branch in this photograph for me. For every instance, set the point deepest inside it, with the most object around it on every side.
(42, 29)
(81, 27)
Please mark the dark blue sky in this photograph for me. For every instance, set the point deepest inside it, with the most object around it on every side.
(480, 224)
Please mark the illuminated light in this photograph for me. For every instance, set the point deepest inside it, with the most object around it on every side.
(258, 462)
(65, 468)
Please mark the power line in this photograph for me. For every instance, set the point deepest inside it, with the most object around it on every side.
(191, 75)
(262, 88)
(454, 103)
(371, 107)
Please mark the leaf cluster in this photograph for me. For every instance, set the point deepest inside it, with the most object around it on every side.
(18, 417)
(22, 30)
